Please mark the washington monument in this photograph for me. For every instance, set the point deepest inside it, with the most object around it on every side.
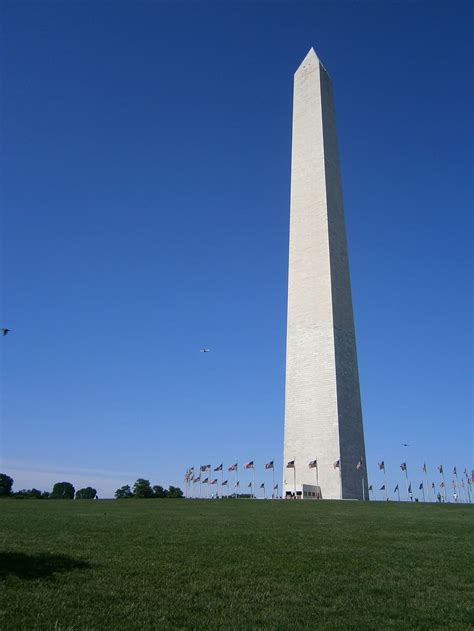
(324, 451)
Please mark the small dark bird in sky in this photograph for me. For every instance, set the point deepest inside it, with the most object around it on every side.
(204, 350)
(5, 331)
(406, 445)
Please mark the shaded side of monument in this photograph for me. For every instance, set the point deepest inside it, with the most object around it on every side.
(323, 415)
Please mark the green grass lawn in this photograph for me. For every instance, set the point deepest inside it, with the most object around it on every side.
(237, 564)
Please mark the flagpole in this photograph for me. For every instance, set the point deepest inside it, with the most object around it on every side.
(273, 478)
(398, 491)
(406, 477)
(468, 487)
(423, 490)
(294, 474)
(340, 473)
(200, 482)
(457, 483)
(254, 489)
(444, 484)
(363, 488)
(462, 492)
(385, 478)
(427, 483)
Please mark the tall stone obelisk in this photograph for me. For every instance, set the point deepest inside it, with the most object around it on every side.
(323, 416)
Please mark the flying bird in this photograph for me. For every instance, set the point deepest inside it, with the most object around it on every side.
(5, 331)
(204, 350)
(406, 445)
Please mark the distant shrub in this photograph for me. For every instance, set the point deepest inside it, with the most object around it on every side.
(62, 491)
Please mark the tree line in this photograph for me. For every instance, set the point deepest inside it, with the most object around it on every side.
(66, 491)
(143, 489)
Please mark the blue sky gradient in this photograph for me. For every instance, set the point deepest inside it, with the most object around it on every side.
(146, 174)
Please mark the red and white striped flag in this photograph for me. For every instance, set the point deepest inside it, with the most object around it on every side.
(248, 465)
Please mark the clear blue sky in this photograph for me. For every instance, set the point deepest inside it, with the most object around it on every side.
(146, 173)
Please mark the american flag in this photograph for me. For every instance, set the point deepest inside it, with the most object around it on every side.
(440, 468)
(442, 485)
(213, 481)
(220, 467)
(370, 488)
(248, 465)
(403, 466)
(250, 485)
(275, 487)
(205, 481)
(395, 489)
(269, 465)
(455, 471)
(197, 479)
(424, 467)
(291, 464)
(382, 488)
(262, 486)
(237, 483)
(313, 464)
(233, 467)
(337, 464)
(205, 467)
(224, 483)
(360, 464)
(382, 465)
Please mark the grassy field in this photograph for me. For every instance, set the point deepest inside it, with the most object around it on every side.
(238, 564)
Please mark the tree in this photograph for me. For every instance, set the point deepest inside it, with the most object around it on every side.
(123, 493)
(6, 483)
(159, 492)
(175, 492)
(142, 488)
(86, 494)
(27, 494)
(45, 495)
(62, 491)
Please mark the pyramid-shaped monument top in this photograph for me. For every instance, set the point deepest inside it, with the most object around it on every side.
(311, 60)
